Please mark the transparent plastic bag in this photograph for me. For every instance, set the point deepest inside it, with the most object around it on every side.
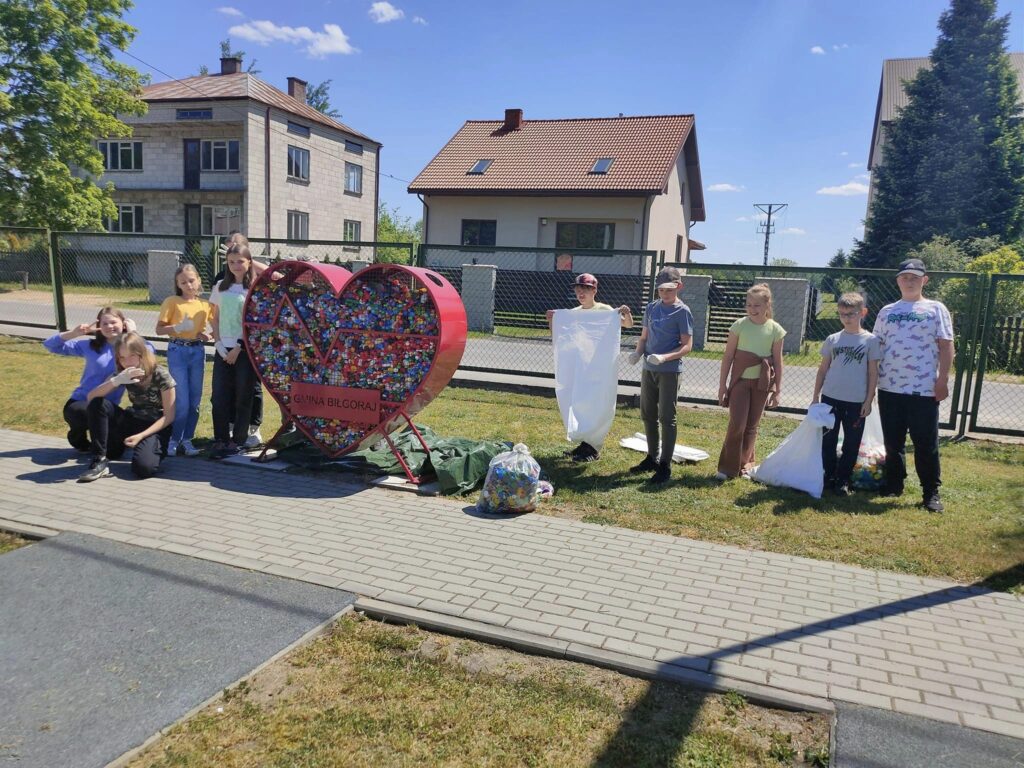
(512, 482)
(868, 472)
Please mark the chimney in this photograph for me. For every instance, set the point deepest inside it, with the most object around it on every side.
(297, 89)
(513, 120)
(231, 65)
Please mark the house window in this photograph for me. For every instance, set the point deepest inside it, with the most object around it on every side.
(221, 219)
(353, 232)
(353, 179)
(193, 114)
(121, 155)
(298, 163)
(602, 164)
(298, 225)
(354, 147)
(298, 130)
(479, 167)
(129, 219)
(479, 232)
(571, 234)
(219, 155)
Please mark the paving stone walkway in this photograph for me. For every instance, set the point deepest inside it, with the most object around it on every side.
(792, 625)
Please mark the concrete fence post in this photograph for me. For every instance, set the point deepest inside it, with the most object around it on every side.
(790, 301)
(161, 266)
(694, 294)
(478, 287)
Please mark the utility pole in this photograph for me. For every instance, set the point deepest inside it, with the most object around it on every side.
(766, 226)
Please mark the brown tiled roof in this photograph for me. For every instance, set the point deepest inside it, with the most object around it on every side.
(555, 157)
(240, 85)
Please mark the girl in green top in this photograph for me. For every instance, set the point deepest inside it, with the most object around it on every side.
(755, 339)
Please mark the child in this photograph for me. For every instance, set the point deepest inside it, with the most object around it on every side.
(667, 336)
(146, 426)
(184, 317)
(99, 366)
(916, 336)
(754, 347)
(233, 374)
(585, 288)
(846, 380)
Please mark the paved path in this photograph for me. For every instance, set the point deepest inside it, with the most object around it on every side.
(790, 624)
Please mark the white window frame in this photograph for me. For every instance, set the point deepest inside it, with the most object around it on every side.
(213, 210)
(131, 209)
(111, 149)
(358, 233)
(298, 163)
(214, 145)
(353, 179)
(298, 225)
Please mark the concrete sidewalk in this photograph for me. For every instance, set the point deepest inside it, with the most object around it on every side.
(795, 629)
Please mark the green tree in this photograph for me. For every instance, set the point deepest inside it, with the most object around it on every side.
(1010, 298)
(319, 98)
(60, 89)
(829, 282)
(392, 227)
(227, 53)
(953, 162)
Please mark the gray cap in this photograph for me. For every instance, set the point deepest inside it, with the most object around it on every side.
(667, 277)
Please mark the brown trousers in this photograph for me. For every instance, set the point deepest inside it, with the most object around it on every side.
(746, 406)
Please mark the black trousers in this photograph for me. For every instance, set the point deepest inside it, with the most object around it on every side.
(110, 424)
(918, 415)
(848, 419)
(77, 417)
(233, 387)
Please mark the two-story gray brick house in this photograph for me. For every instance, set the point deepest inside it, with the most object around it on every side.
(224, 152)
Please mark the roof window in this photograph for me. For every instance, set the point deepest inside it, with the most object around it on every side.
(479, 167)
(602, 164)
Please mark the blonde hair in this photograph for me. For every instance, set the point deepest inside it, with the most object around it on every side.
(186, 268)
(851, 301)
(763, 292)
(237, 238)
(132, 343)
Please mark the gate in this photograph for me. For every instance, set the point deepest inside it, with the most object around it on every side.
(997, 406)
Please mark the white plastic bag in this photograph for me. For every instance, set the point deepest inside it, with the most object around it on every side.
(796, 463)
(868, 472)
(512, 482)
(681, 454)
(586, 348)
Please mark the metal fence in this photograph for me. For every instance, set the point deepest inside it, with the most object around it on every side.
(998, 397)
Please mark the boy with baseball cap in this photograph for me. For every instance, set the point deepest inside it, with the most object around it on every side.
(585, 288)
(666, 337)
(916, 336)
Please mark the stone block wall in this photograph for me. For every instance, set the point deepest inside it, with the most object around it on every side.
(478, 283)
(790, 300)
(694, 294)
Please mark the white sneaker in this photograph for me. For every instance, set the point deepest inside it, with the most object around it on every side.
(188, 449)
(721, 476)
(172, 448)
(255, 439)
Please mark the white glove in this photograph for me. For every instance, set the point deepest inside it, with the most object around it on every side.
(655, 359)
(221, 350)
(222, 249)
(184, 326)
(127, 376)
(634, 357)
(129, 325)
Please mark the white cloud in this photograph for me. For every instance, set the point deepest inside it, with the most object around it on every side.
(793, 231)
(227, 10)
(844, 153)
(818, 50)
(419, 20)
(317, 44)
(849, 189)
(754, 217)
(724, 188)
(382, 12)
(864, 176)
(853, 165)
(840, 47)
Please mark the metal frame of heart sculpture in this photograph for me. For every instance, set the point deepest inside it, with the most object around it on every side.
(298, 309)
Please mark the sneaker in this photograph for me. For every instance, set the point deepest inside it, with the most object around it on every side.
(661, 475)
(889, 493)
(745, 474)
(932, 502)
(647, 465)
(573, 451)
(586, 453)
(254, 440)
(721, 476)
(172, 448)
(841, 489)
(99, 467)
(188, 449)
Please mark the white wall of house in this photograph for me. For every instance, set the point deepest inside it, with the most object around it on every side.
(670, 214)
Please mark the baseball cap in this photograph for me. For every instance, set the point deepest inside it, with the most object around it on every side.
(586, 279)
(912, 267)
(669, 277)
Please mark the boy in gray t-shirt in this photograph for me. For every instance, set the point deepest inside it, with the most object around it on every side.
(846, 380)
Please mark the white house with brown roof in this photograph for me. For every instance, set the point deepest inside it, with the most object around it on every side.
(227, 151)
(619, 183)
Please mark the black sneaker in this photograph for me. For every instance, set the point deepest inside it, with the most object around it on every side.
(647, 465)
(573, 451)
(841, 489)
(661, 475)
(932, 502)
(586, 453)
(99, 467)
(888, 493)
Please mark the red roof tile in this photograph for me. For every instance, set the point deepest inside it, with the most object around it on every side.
(556, 156)
(240, 85)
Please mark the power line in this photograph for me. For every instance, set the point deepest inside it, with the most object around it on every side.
(766, 226)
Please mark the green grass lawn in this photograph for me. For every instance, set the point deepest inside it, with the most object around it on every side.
(979, 538)
(9, 542)
(372, 695)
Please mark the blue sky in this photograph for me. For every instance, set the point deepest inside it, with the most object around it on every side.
(783, 92)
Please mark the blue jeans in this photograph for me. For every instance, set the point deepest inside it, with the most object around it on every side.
(186, 366)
